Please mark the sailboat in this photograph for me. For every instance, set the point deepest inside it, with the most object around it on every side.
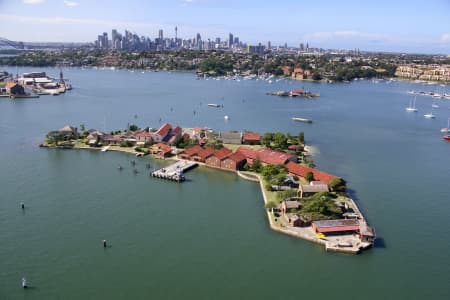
(430, 115)
(447, 129)
(412, 106)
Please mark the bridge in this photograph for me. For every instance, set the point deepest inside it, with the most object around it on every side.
(7, 44)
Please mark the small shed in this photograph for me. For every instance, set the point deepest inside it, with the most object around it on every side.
(310, 189)
(287, 205)
(231, 137)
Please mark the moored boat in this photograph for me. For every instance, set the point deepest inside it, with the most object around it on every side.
(213, 105)
(297, 119)
(446, 137)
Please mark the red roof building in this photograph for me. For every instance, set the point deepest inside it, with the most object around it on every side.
(233, 162)
(266, 156)
(162, 132)
(188, 152)
(301, 171)
(143, 137)
(251, 138)
(203, 154)
(215, 160)
(161, 150)
(335, 226)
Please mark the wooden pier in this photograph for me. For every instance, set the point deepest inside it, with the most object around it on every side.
(175, 171)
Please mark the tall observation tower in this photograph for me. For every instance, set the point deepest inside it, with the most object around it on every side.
(176, 32)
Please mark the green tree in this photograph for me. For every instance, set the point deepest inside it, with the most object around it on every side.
(301, 137)
(82, 128)
(256, 165)
(267, 139)
(309, 176)
(280, 140)
(133, 127)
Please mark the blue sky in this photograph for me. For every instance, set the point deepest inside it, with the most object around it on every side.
(402, 26)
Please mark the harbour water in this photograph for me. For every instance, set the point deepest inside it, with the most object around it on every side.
(208, 238)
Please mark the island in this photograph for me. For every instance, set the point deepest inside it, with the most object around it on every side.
(299, 200)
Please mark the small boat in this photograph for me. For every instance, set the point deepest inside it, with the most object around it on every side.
(446, 137)
(412, 106)
(24, 283)
(434, 105)
(302, 120)
(213, 104)
(446, 129)
(104, 149)
(430, 115)
(226, 117)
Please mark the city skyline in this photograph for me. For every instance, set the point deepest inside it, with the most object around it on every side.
(406, 26)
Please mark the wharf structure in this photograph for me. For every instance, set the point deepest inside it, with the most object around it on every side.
(175, 171)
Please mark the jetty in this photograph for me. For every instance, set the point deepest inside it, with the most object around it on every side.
(174, 172)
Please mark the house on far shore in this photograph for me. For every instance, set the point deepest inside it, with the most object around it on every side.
(251, 138)
(68, 132)
(162, 133)
(312, 188)
(143, 137)
(231, 137)
(113, 140)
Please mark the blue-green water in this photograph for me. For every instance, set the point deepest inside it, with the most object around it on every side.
(208, 238)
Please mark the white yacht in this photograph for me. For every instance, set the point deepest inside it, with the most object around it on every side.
(412, 106)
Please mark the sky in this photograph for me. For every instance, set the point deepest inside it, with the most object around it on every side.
(397, 25)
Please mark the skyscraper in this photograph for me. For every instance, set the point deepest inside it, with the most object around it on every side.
(230, 40)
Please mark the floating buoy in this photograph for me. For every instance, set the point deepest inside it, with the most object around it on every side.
(104, 244)
(22, 205)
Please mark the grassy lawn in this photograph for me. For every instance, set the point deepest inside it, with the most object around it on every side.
(233, 147)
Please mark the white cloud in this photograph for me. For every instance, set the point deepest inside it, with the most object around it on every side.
(445, 38)
(33, 1)
(71, 3)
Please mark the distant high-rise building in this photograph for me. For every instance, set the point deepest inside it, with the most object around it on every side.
(269, 45)
(230, 40)
(236, 41)
(302, 47)
(160, 34)
(307, 46)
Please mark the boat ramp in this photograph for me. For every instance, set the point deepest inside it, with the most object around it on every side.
(175, 171)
